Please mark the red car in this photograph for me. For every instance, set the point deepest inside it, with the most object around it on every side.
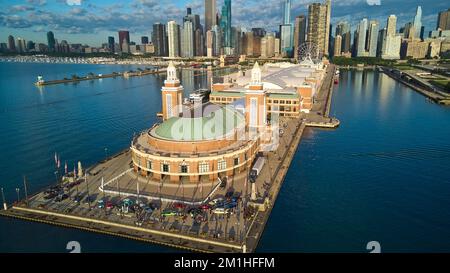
(179, 205)
(109, 205)
(205, 207)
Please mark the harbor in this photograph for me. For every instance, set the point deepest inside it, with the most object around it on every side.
(94, 200)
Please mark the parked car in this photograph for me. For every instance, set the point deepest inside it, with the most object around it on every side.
(109, 205)
(77, 198)
(193, 212)
(215, 202)
(101, 204)
(220, 211)
(50, 195)
(229, 194)
(205, 207)
(230, 205)
(169, 212)
(61, 197)
(179, 205)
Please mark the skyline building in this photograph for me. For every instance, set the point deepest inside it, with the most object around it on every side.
(111, 43)
(173, 35)
(337, 45)
(318, 30)
(286, 30)
(187, 40)
(225, 24)
(11, 43)
(372, 38)
(159, 39)
(299, 33)
(210, 43)
(361, 38)
(286, 12)
(392, 43)
(343, 29)
(443, 21)
(210, 14)
(21, 45)
(417, 24)
(51, 41)
(124, 38)
(218, 39)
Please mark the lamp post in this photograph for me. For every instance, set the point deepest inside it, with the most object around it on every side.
(18, 194)
(26, 190)
(5, 206)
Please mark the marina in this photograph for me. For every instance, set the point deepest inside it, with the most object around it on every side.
(165, 221)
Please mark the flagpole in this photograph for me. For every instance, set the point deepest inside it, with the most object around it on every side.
(5, 206)
(87, 189)
(26, 190)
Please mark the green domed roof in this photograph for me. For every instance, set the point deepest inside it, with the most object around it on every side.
(215, 125)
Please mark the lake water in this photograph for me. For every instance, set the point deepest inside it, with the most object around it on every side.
(382, 176)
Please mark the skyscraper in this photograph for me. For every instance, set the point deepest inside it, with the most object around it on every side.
(318, 30)
(159, 39)
(210, 14)
(343, 29)
(286, 30)
(173, 39)
(195, 20)
(299, 33)
(210, 43)
(111, 44)
(372, 39)
(417, 24)
(286, 12)
(391, 46)
(11, 44)
(443, 21)
(21, 45)
(187, 40)
(124, 38)
(362, 35)
(225, 24)
(51, 41)
(218, 39)
(337, 45)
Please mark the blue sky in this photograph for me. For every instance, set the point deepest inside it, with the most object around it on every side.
(93, 21)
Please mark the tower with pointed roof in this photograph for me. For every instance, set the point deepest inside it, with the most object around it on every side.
(255, 101)
(172, 93)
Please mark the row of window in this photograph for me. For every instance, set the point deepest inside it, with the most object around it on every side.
(283, 109)
(283, 101)
(223, 99)
(203, 167)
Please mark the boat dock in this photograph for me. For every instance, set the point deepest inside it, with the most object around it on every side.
(113, 180)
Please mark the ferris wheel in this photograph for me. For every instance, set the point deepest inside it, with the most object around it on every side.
(308, 52)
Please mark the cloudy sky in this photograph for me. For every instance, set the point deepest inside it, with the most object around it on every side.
(91, 21)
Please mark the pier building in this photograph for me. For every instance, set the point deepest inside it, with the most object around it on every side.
(204, 141)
